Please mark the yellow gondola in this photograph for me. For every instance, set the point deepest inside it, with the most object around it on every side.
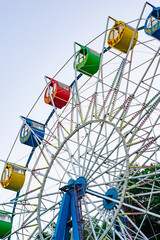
(13, 177)
(120, 36)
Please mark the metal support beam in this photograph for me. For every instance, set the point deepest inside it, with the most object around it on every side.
(70, 212)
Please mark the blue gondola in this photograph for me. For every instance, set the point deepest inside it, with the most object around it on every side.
(152, 24)
(32, 132)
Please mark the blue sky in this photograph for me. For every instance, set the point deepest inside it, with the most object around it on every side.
(37, 38)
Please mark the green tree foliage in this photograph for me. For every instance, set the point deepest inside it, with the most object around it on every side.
(147, 181)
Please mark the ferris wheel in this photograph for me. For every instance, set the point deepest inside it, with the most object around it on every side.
(93, 168)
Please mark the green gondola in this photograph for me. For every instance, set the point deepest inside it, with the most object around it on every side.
(5, 223)
(87, 61)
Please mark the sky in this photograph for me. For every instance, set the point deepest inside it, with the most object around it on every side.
(37, 38)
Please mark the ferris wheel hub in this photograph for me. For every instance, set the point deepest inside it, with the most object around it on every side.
(80, 185)
(111, 193)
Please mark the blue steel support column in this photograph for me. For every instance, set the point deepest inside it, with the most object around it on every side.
(76, 218)
(70, 210)
(64, 213)
(68, 226)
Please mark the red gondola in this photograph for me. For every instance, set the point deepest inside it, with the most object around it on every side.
(60, 93)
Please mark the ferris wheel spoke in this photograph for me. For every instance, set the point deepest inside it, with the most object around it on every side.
(93, 150)
(102, 148)
(147, 160)
(115, 92)
(32, 234)
(29, 217)
(90, 220)
(99, 212)
(124, 204)
(151, 83)
(138, 230)
(113, 166)
(134, 200)
(110, 183)
(149, 66)
(88, 137)
(94, 156)
(143, 181)
(29, 221)
(124, 229)
(69, 163)
(78, 147)
(96, 207)
(145, 194)
(102, 108)
(143, 119)
(110, 91)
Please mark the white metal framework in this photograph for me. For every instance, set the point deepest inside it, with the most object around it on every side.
(107, 133)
